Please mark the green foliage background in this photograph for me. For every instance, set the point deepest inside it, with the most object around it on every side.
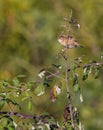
(28, 42)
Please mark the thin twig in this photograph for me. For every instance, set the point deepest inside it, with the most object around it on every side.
(17, 114)
(93, 64)
(11, 109)
(55, 75)
(43, 118)
(66, 76)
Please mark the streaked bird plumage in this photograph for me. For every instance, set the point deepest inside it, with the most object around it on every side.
(68, 41)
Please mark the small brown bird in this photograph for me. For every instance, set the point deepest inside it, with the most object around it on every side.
(68, 41)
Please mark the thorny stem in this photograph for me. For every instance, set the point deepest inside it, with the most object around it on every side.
(68, 92)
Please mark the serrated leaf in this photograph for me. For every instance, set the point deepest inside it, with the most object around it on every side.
(40, 90)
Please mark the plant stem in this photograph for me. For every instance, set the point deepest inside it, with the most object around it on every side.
(93, 64)
(68, 91)
(54, 75)
(11, 110)
(43, 118)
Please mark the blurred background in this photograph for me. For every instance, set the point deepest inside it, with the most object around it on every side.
(28, 43)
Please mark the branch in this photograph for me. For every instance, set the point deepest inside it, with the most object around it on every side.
(43, 118)
(19, 115)
(54, 75)
(93, 64)
(68, 92)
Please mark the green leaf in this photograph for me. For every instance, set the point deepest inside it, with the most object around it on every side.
(5, 83)
(76, 87)
(102, 55)
(73, 67)
(42, 73)
(40, 90)
(57, 66)
(7, 123)
(75, 80)
(46, 82)
(97, 70)
(16, 81)
(87, 71)
(81, 97)
(24, 98)
(2, 103)
(30, 105)
(21, 76)
(13, 102)
(3, 95)
(46, 127)
(85, 76)
(11, 127)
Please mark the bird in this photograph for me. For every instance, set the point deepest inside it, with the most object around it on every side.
(68, 41)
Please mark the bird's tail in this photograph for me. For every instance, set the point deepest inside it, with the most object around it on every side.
(80, 46)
